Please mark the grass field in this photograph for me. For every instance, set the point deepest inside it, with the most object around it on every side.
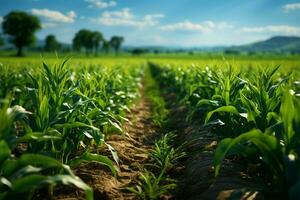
(150, 127)
(182, 59)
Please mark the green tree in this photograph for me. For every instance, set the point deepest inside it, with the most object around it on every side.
(83, 39)
(1, 41)
(89, 40)
(51, 44)
(106, 46)
(97, 38)
(116, 42)
(21, 26)
(139, 51)
(77, 44)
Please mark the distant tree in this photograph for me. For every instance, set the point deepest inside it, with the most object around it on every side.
(76, 42)
(252, 53)
(156, 51)
(191, 52)
(83, 39)
(51, 44)
(139, 51)
(97, 38)
(89, 42)
(1, 41)
(232, 52)
(116, 42)
(87, 39)
(106, 46)
(21, 26)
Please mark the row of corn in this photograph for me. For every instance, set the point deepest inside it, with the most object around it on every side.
(53, 118)
(255, 111)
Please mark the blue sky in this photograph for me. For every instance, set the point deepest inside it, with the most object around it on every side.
(165, 22)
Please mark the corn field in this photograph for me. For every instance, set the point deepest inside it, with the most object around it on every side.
(255, 114)
(54, 118)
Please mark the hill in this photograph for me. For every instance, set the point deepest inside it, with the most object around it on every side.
(274, 44)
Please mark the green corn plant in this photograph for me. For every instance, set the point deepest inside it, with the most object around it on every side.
(222, 106)
(262, 96)
(109, 94)
(8, 80)
(57, 109)
(151, 187)
(164, 155)
(206, 91)
(276, 150)
(202, 86)
(255, 103)
(21, 177)
(99, 102)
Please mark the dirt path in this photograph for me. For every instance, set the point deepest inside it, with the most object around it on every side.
(132, 149)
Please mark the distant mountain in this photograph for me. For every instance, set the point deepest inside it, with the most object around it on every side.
(274, 44)
(277, 44)
(175, 49)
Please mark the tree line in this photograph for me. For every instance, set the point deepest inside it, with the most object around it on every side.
(92, 40)
(22, 26)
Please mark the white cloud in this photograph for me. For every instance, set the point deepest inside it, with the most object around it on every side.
(224, 25)
(282, 29)
(72, 14)
(204, 27)
(55, 16)
(153, 16)
(124, 17)
(100, 4)
(1, 19)
(186, 25)
(48, 25)
(292, 6)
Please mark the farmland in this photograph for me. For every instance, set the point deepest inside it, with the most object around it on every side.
(149, 100)
(155, 127)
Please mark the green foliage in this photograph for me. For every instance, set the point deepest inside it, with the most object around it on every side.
(21, 26)
(51, 44)
(163, 157)
(2, 43)
(150, 186)
(277, 149)
(116, 42)
(253, 111)
(90, 40)
(21, 177)
(56, 116)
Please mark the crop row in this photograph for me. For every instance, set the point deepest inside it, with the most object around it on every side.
(53, 117)
(254, 111)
